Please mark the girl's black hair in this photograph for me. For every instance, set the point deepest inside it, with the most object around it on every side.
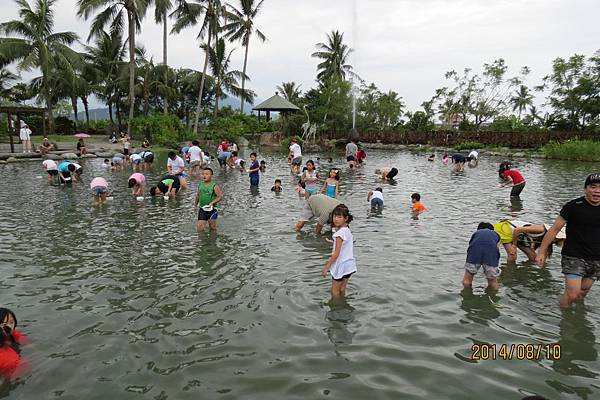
(310, 161)
(131, 183)
(6, 333)
(342, 210)
(153, 191)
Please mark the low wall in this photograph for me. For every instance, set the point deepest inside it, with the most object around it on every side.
(451, 138)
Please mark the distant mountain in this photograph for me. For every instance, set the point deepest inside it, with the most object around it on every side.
(102, 113)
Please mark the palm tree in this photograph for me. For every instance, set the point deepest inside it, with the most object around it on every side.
(522, 99)
(241, 27)
(291, 92)
(225, 81)
(5, 78)
(106, 59)
(161, 16)
(334, 54)
(114, 13)
(189, 14)
(35, 45)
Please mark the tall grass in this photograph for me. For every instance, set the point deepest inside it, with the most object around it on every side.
(580, 150)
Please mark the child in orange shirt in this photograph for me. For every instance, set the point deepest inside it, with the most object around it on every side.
(417, 206)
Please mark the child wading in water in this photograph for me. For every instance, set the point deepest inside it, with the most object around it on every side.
(99, 188)
(310, 178)
(253, 171)
(483, 252)
(341, 264)
(376, 198)
(331, 186)
(209, 194)
(417, 207)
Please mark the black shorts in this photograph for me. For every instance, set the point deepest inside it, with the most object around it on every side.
(207, 215)
(149, 158)
(344, 277)
(126, 152)
(350, 158)
(52, 172)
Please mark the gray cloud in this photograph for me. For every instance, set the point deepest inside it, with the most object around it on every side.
(404, 45)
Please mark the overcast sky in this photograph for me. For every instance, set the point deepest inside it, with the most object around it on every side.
(402, 45)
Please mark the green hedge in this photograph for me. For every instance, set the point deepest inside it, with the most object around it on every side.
(580, 150)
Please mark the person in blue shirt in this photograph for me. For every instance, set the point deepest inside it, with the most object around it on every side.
(253, 171)
(483, 252)
(65, 169)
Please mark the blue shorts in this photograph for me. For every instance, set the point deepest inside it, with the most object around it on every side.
(312, 191)
(254, 180)
(182, 174)
(376, 203)
(138, 161)
(207, 215)
(99, 190)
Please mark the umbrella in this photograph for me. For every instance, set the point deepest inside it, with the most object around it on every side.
(81, 135)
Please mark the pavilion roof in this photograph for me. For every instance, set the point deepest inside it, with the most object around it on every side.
(276, 103)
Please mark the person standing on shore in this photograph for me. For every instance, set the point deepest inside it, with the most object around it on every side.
(581, 251)
(25, 135)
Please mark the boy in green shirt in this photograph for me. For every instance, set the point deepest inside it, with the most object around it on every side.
(207, 196)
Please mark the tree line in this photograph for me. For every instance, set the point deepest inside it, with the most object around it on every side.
(117, 70)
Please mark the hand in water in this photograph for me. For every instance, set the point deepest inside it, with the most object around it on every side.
(325, 271)
(540, 260)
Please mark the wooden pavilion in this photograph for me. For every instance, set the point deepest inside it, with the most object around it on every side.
(18, 111)
(277, 104)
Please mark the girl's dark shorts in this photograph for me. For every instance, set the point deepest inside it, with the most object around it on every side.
(52, 172)
(344, 277)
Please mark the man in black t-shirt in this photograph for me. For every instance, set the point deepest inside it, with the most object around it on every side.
(581, 251)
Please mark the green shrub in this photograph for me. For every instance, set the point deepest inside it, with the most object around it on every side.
(580, 150)
(469, 145)
(285, 142)
(165, 130)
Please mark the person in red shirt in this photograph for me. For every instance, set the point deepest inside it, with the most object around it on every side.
(10, 340)
(512, 178)
(360, 155)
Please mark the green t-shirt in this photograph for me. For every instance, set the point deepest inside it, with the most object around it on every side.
(206, 193)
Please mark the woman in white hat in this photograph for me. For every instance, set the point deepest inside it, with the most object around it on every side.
(25, 136)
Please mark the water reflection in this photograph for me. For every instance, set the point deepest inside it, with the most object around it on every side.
(577, 342)
(340, 315)
(479, 308)
(516, 204)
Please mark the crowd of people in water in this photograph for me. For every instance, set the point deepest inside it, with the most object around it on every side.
(576, 229)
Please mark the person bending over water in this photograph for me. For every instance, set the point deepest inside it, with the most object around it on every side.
(522, 235)
(341, 264)
(320, 207)
(176, 167)
(386, 173)
(459, 162)
(581, 251)
(376, 198)
(208, 195)
(99, 188)
(51, 169)
(512, 178)
(169, 185)
(136, 184)
(483, 253)
(65, 169)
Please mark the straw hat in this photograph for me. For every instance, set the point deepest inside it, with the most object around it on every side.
(561, 235)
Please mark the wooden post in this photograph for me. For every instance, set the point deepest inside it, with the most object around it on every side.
(44, 124)
(258, 115)
(268, 115)
(10, 133)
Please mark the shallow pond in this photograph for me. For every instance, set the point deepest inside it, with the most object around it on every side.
(127, 301)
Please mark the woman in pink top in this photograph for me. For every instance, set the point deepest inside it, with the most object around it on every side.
(136, 184)
(512, 178)
(99, 190)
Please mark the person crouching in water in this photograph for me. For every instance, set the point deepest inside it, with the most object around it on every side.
(99, 188)
(169, 185)
(208, 195)
(483, 252)
(341, 264)
(387, 174)
(65, 169)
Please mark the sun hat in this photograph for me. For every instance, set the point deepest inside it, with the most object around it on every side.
(561, 235)
(592, 179)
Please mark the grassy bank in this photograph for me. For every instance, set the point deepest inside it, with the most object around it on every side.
(580, 150)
